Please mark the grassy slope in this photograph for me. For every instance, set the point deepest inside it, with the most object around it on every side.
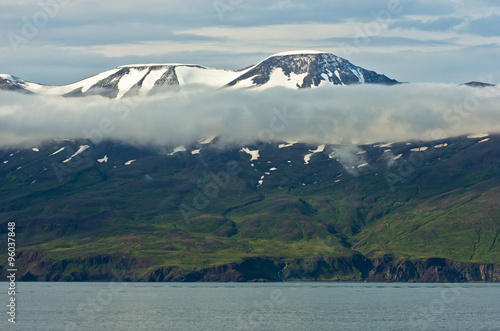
(446, 206)
(461, 226)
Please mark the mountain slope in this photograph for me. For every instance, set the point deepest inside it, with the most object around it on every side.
(11, 83)
(420, 211)
(307, 69)
(128, 81)
(299, 69)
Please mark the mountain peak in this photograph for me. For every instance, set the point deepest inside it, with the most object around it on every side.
(291, 69)
(298, 52)
(477, 84)
(303, 69)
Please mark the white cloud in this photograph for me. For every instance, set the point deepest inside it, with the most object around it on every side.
(354, 114)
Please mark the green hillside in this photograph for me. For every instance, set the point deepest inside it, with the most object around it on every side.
(206, 217)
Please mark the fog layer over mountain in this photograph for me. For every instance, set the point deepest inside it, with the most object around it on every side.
(348, 115)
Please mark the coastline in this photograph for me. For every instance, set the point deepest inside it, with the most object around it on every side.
(356, 268)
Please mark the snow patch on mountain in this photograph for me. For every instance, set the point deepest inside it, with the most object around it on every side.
(150, 80)
(129, 80)
(84, 85)
(358, 74)
(254, 154)
(307, 157)
(279, 78)
(478, 136)
(420, 149)
(188, 75)
(206, 140)
(58, 151)
(104, 159)
(338, 76)
(288, 144)
(80, 150)
(177, 150)
(91, 81)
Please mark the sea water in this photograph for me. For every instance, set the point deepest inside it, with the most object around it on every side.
(254, 306)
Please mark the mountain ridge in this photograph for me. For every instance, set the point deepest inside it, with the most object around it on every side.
(296, 69)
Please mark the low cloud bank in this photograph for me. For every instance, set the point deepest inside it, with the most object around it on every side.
(339, 115)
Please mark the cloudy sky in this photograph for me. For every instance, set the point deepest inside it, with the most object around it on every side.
(62, 41)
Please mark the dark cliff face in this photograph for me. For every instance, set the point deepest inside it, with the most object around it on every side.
(432, 270)
(247, 270)
(354, 268)
(35, 266)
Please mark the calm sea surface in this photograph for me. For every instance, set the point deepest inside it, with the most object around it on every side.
(251, 306)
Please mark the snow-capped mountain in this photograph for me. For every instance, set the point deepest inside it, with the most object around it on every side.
(140, 79)
(298, 69)
(11, 83)
(302, 69)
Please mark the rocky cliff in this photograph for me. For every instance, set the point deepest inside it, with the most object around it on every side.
(260, 269)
